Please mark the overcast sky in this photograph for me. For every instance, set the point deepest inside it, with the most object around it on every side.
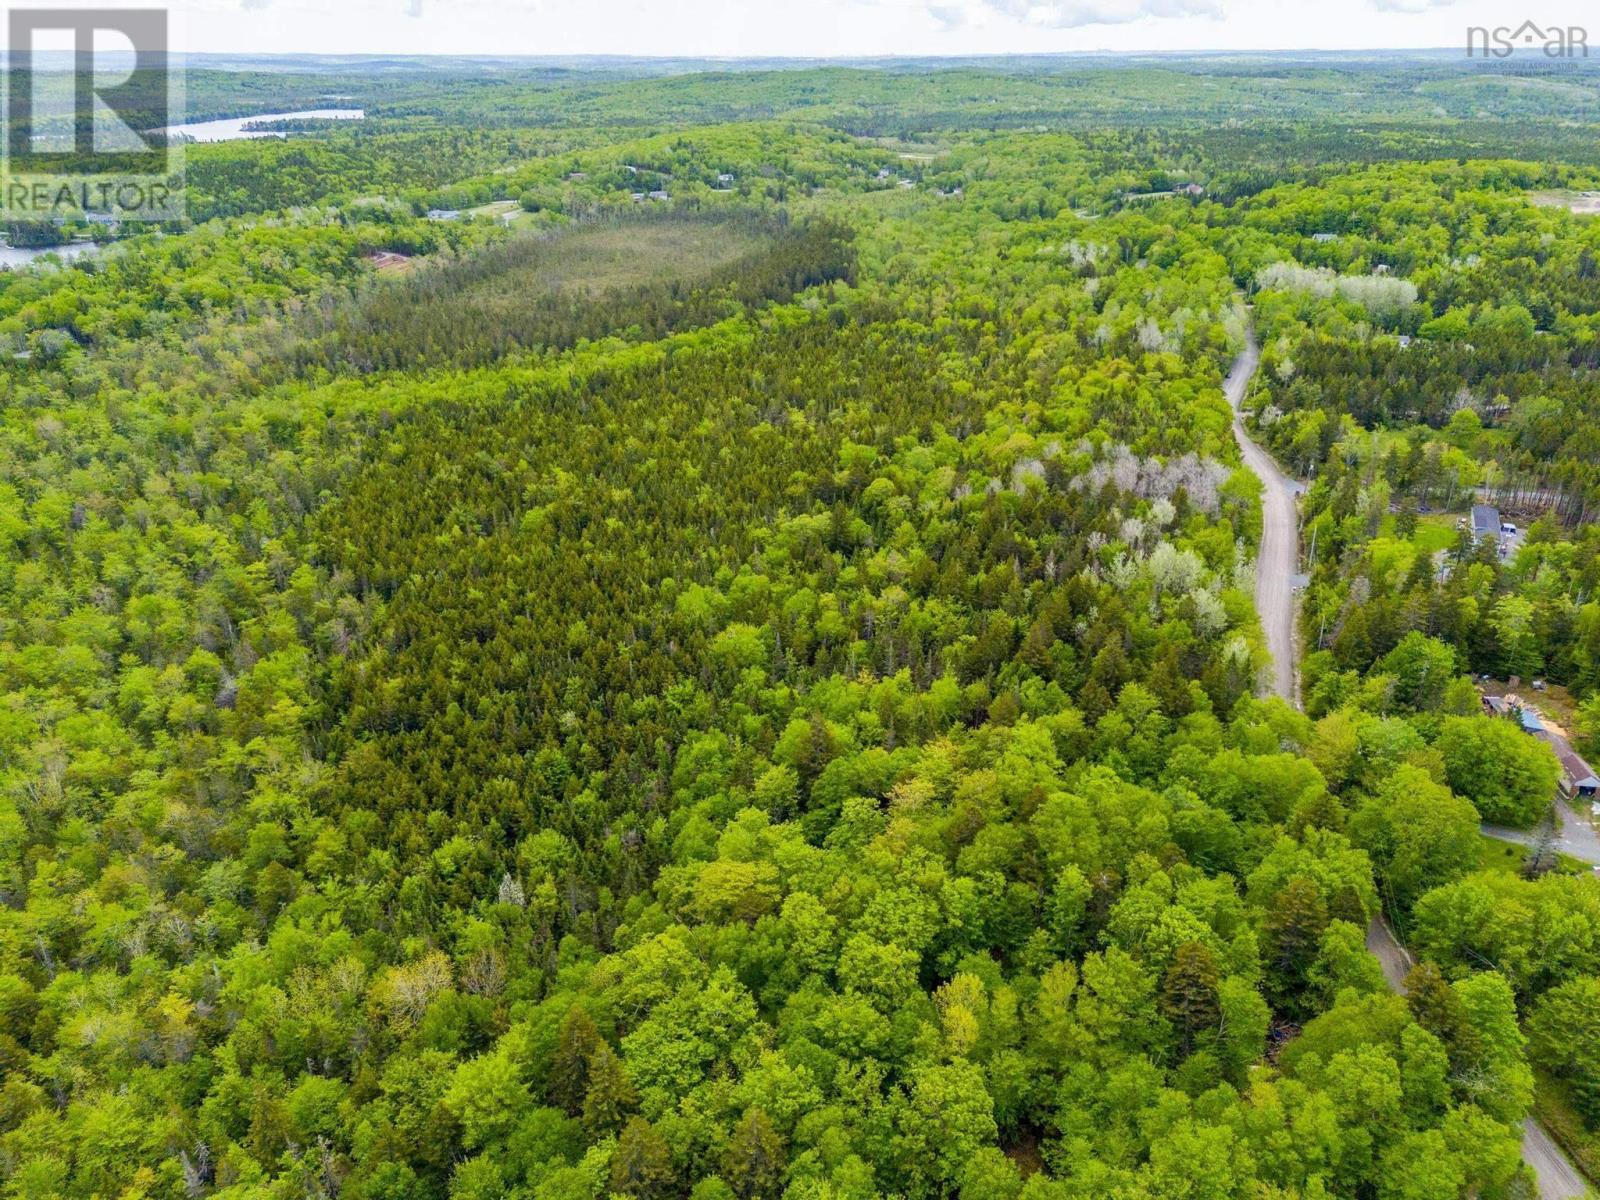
(843, 27)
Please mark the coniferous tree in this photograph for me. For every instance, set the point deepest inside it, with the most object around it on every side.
(1189, 994)
(754, 1162)
(641, 1165)
(576, 1045)
(611, 1096)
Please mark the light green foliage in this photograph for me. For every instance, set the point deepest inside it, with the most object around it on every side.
(1418, 832)
(1564, 1038)
(752, 699)
(1535, 932)
(1509, 776)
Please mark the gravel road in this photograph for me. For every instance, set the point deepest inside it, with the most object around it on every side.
(1280, 539)
(1276, 566)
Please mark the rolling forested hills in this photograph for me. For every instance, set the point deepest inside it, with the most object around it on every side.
(515, 687)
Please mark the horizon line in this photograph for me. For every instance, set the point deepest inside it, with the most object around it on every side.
(885, 56)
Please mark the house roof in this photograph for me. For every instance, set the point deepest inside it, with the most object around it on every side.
(1485, 518)
(1578, 771)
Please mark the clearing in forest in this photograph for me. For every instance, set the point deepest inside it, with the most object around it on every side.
(638, 276)
(1585, 204)
(597, 258)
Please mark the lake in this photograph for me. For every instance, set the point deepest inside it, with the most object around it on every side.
(233, 128)
(21, 256)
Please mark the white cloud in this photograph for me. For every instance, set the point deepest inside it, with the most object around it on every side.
(1411, 6)
(1073, 14)
(828, 27)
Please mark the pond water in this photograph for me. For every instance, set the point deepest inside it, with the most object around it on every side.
(21, 256)
(232, 128)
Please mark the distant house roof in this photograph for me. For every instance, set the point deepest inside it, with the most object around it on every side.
(1485, 519)
(444, 214)
(1530, 720)
(1324, 237)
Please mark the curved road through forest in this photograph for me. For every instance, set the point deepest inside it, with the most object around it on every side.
(1558, 1179)
(1280, 536)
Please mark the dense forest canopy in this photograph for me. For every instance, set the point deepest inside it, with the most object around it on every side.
(684, 633)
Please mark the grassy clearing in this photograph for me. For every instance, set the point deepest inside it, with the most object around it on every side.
(1437, 531)
(495, 208)
(1434, 532)
(640, 275)
(1495, 855)
(909, 151)
(593, 259)
(1503, 856)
